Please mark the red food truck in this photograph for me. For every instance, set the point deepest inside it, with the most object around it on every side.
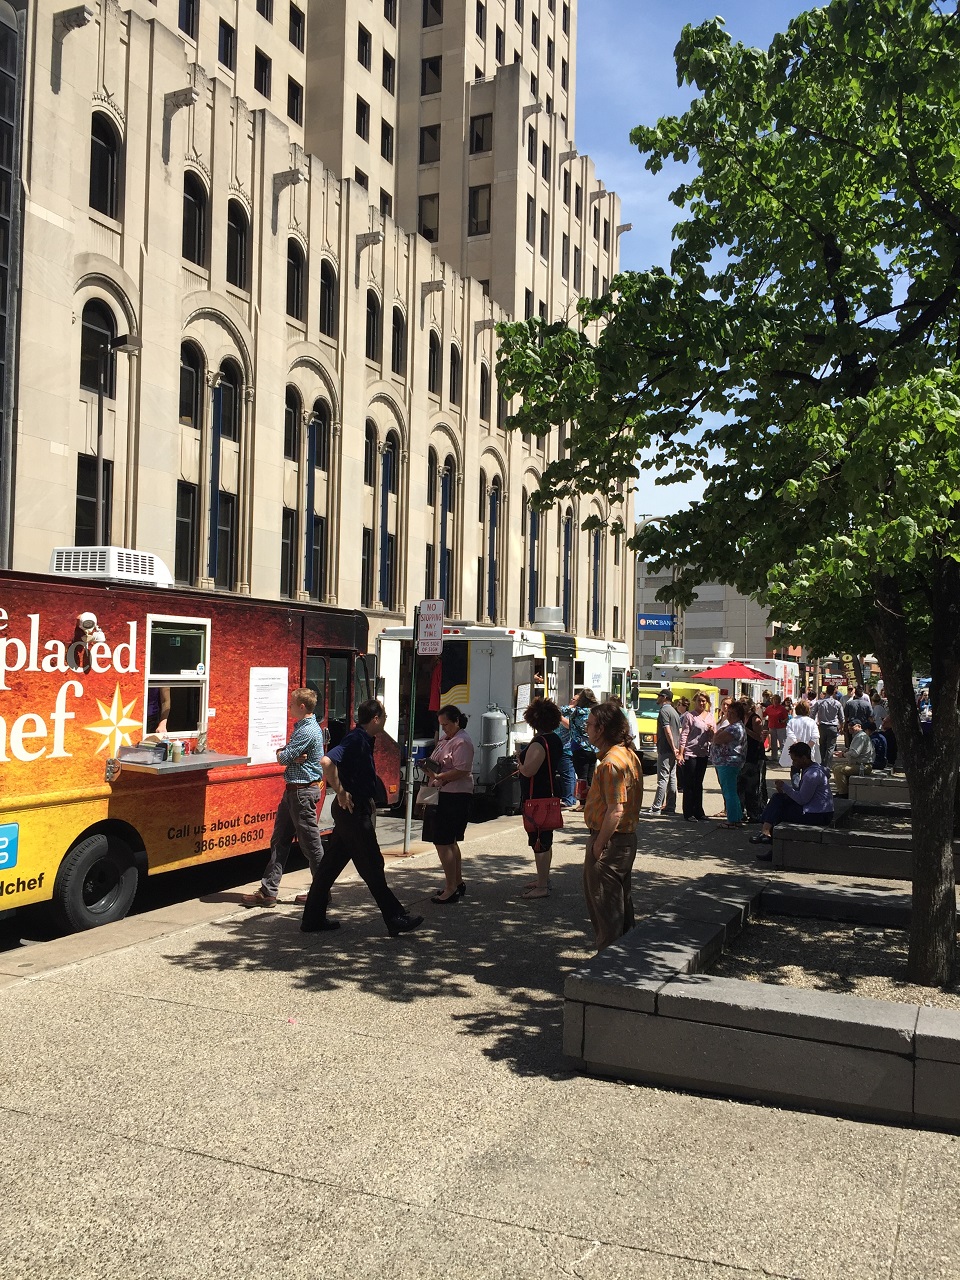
(89, 667)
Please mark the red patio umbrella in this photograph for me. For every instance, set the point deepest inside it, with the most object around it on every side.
(731, 671)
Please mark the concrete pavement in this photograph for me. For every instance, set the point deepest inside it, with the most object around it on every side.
(203, 1091)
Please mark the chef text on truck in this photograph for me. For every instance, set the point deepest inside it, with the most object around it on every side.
(89, 669)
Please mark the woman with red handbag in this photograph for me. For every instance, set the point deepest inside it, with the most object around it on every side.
(541, 805)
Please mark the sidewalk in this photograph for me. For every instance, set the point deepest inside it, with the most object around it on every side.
(205, 1092)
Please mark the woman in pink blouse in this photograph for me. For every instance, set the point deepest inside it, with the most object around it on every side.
(454, 781)
(696, 733)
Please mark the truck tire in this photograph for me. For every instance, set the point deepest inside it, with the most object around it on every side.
(96, 883)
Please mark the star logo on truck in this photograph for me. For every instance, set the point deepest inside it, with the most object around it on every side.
(115, 724)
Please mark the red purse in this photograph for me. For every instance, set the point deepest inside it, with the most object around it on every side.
(542, 813)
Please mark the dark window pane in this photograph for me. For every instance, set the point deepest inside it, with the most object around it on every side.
(185, 547)
(227, 50)
(85, 526)
(104, 166)
(430, 144)
(97, 331)
(481, 134)
(297, 24)
(431, 75)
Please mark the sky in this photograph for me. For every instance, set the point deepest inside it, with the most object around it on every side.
(626, 76)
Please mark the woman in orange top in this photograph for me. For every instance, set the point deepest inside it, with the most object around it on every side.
(611, 812)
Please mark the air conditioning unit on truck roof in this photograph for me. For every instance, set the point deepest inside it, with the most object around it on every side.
(110, 564)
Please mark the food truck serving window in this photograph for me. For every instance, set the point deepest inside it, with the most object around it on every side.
(178, 659)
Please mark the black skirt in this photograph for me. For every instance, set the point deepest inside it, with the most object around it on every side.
(452, 815)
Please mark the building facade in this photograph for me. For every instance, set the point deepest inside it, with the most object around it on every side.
(240, 341)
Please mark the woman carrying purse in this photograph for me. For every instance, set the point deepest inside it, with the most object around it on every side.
(538, 761)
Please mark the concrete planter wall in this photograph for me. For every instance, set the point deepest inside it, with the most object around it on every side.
(839, 851)
(643, 1010)
(879, 789)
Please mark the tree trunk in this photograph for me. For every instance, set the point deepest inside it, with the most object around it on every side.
(933, 921)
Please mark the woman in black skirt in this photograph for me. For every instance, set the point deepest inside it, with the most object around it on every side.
(453, 778)
(538, 762)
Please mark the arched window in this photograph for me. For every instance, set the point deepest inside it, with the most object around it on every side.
(97, 331)
(495, 503)
(194, 239)
(398, 344)
(373, 326)
(237, 244)
(448, 489)
(433, 467)
(389, 486)
(434, 364)
(292, 413)
(231, 398)
(296, 273)
(566, 568)
(369, 453)
(391, 455)
(105, 166)
(483, 497)
(456, 374)
(328, 299)
(595, 600)
(321, 426)
(484, 393)
(191, 385)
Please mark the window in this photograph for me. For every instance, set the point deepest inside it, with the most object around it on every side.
(386, 203)
(596, 222)
(390, 11)
(104, 166)
(226, 541)
(296, 272)
(231, 399)
(98, 329)
(430, 144)
(85, 524)
(577, 274)
(535, 30)
(369, 454)
(481, 20)
(430, 572)
(361, 179)
(549, 105)
(373, 326)
(366, 566)
(595, 604)
(389, 72)
(178, 649)
(227, 46)
(565, 187)
(363, 119)
(527, 303)
(534, 86)
(606, 234)
(265, 9)
(479, 211)
(501, 411)
(320, 422)
(398, 344)
(483, 502)
(391, 464)
(531, 220)
(328, 300)
(262, 72)
(428, 218)
(565, 256)
(297, 27)
(481, 134)
(456, 375)
(606, 284)
(433, 467)
(518, 10)
(432, 13)
(386, 141)
(364, 47)
(318, 559)
(187, 19)
(294, 100)
(292, 416)
(236, 245)
(545, 162)
(542, 311)
(484, 393)
(578, 201)
(499, 46)
(484, 287)
(431, 75)
(288, 553)
(194, 237)
(531, 144)
(434, 364)
(544, 234)
(191, 386)
(565, 19)
(564, 74)
(185, 537)
(549, 53)
(595, 293)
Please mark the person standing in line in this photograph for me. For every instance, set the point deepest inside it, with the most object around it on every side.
(350, 773)
(454, 781)
(859, 708)
(584, 754)
(776, 714)
(726, 755)
(611, 813)
(696, 734)
(827, 712)
(297, 811)
(668, 751)
(566, 772)
(750, 778)
(801, 728)
(538, 761)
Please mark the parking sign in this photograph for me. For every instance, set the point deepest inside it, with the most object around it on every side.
(430, 627)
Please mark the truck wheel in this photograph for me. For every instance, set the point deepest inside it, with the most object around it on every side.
(96, 883)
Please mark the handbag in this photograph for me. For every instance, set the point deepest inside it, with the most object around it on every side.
(542, 813)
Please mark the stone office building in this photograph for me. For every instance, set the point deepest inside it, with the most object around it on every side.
(253, 253)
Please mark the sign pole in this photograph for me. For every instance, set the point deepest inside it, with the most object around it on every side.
(408, 814)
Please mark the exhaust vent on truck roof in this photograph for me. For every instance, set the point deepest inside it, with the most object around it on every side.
(110, 564)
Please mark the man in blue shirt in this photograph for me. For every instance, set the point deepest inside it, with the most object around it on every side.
(297, 812)
(350, 774)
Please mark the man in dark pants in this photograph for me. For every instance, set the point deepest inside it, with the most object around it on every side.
(349, 772)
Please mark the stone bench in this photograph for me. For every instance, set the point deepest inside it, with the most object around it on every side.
(643, 1010)
(846, 852)
(879, 788)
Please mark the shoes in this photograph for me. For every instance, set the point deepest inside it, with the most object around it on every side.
(461, 889)
(654, 813)
(765, 857)
(325, 926)
(404, 924)
(445, 902)
(669, 813)
(259, 899)
(761, 839)
(301, 899)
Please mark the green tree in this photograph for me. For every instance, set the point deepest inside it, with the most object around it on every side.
(802, 357)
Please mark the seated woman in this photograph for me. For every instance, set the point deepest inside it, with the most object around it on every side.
(805, 798)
